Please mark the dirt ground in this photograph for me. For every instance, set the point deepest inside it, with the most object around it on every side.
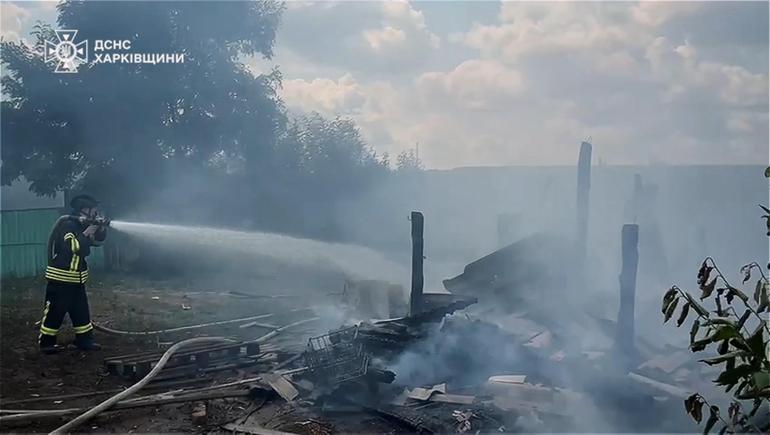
(124, 303)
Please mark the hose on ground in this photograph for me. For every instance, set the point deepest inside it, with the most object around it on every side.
(111, 331)
(93, 412)
(26, 415)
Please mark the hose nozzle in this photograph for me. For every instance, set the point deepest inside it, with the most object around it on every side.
(96, 220)
(102, 221)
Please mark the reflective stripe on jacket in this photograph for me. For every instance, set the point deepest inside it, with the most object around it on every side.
(70, 250)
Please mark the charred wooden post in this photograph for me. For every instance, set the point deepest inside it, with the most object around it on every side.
(415, 297)
(583, 188)
(625, 333)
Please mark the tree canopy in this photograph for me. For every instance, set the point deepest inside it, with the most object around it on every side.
(131, 132)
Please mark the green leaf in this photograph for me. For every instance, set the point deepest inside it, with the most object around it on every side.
(746, 273)
(696, 306)
(743, 319)
(729, 297)
(683, 314)
(767, 172)
(719, 311)
(730, 377)
(740, 294)
(724, 346)
(667, 299)
(741, 387)
(761, 380)
(694, 407)
(713, 418)
(740, 344)
(670, 310)
(757, 405)
(757, 289)
(694, 331)
(699, 345)
(764, 300)
(729, 364)
(708, 289)
(757, 342)
(703, 273)
(725, 332)
(764, 208)
(723, 358)
(719, 321)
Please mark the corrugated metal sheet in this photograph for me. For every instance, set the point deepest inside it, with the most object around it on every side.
(24, 241)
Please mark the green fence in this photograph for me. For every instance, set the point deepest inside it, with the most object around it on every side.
(24, 239)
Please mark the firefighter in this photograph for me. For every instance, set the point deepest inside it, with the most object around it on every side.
(67, 273)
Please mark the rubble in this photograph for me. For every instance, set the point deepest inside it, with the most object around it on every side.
(532, 262)
(199, 414)
(280, 385)
(431, 371)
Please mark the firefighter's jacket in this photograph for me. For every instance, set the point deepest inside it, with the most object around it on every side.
(70, 250)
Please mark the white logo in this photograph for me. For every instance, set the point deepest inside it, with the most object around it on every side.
(67, 54)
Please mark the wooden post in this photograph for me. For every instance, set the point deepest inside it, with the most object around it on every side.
(625, 333)
(583, 188)
(415, 297)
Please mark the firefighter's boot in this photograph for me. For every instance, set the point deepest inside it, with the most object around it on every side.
(48, 345)
(86, 341)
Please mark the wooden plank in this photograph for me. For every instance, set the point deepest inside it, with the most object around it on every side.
(669, 389)
(453, 398)
(151, 386)
(154, 356)
(425, 393)
(253, 429)
(281, 386)
(508, 379)
(667, 363)
(252, 348)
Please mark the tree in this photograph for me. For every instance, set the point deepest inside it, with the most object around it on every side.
(115, 129)
(323, 161)
(738, 329)
(203, 141)
(408, 161)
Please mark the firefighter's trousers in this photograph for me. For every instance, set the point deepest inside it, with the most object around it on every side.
(62, 298)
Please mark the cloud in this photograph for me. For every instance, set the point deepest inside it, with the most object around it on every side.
(526, 86)
(656, 13)
(329, 97)
(400, 15)
(373, 37)
(474, 83)
(12, 19)
(681, 70)
(546, 27)
(385, 38)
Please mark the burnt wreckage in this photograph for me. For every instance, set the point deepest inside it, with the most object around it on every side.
(510, 362)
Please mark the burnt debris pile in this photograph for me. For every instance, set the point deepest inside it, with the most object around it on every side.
(498, 354)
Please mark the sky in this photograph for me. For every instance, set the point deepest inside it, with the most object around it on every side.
(486, 83)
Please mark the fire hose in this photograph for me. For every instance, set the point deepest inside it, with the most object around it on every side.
(111, 331)
(82, 418)
(104, 222)
(106, 404)
(91, 413)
